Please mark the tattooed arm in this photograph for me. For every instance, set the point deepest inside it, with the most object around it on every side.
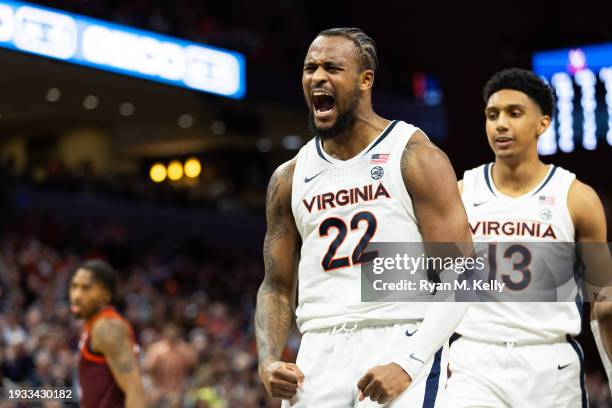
(111, 338)
(274, 316)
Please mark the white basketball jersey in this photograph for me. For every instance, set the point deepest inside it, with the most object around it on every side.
(339, 206)
(540, 215)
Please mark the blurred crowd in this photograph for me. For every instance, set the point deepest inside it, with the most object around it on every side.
(191, 309)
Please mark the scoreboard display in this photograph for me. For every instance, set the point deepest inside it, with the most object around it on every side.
(99, 44)
(582, 80)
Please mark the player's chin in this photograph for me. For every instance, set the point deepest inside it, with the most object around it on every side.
(77, 312)
(504, 153)
(322, 128)
(501, 152)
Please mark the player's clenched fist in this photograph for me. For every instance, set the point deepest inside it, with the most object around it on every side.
(383, 383)
(280, 379)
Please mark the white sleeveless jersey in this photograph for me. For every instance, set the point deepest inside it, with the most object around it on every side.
(339, 206)
(540, 215)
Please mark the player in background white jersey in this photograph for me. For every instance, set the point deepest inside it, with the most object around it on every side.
(522, 354)
(320, 208)
(601, 310)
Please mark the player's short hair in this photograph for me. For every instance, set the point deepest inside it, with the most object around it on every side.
(523, 81)
(368, 55)
(104, 274)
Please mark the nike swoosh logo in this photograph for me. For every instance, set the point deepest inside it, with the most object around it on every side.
(560, 367)
(417, 359)
(410, 334)
(307, 180)
(481, 203)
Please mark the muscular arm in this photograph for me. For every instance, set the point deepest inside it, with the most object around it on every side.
(111, 338)
(432, 185)
(431, 182)
(274, 316)
(590, 223)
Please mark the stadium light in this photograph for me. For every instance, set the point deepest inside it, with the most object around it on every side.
(53, 95)
(126, 109)
(157, 172)
(192, 168)
(175, 170)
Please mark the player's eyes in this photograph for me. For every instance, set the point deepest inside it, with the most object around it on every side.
(492, 116)
(516, 114)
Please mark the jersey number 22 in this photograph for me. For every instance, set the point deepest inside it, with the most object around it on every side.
(330, 263)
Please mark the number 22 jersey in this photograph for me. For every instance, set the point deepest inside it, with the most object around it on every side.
(339, 206)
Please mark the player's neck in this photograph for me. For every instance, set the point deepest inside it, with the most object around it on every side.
(347, 145)
(515, 178)
(89, 319)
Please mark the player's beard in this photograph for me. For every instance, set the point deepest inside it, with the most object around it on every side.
(344, 120)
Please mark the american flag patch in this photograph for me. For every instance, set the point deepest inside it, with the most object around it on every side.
(547, 200)
(379, 158)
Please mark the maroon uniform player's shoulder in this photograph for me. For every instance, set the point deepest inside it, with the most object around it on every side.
(98, 386)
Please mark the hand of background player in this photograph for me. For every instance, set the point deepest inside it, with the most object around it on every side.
(280, 379)
(383, 383)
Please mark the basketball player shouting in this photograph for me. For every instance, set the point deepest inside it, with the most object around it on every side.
(108, 369)
(361, 179)
(522, 354)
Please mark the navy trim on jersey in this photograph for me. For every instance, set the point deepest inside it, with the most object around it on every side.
(488, 179)
(318, 144)
(580, 307)
(433, 380)
(578, 277)
(578, 351)
(453, 338)
(547, 180)
(381, 137)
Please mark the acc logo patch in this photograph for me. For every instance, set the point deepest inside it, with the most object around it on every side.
(546, 214)
(377, 172)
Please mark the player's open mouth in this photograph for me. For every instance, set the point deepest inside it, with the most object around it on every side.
(322, 102)
(503, 141)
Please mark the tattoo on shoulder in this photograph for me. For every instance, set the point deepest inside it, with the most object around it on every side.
(278, 211)
(113, 337)
(405, 157)
(284, 175)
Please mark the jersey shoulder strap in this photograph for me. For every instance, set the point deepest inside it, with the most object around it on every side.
(476, 183)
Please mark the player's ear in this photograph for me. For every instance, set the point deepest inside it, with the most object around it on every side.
(543, 124)
(366, 79)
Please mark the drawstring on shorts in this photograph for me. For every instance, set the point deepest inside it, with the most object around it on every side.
(348, 331)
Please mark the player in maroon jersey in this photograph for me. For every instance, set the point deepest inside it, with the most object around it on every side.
(109, 375)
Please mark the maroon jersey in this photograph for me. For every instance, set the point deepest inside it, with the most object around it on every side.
(98, 386)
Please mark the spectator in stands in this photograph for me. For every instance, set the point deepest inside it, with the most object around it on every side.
(168, 362)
